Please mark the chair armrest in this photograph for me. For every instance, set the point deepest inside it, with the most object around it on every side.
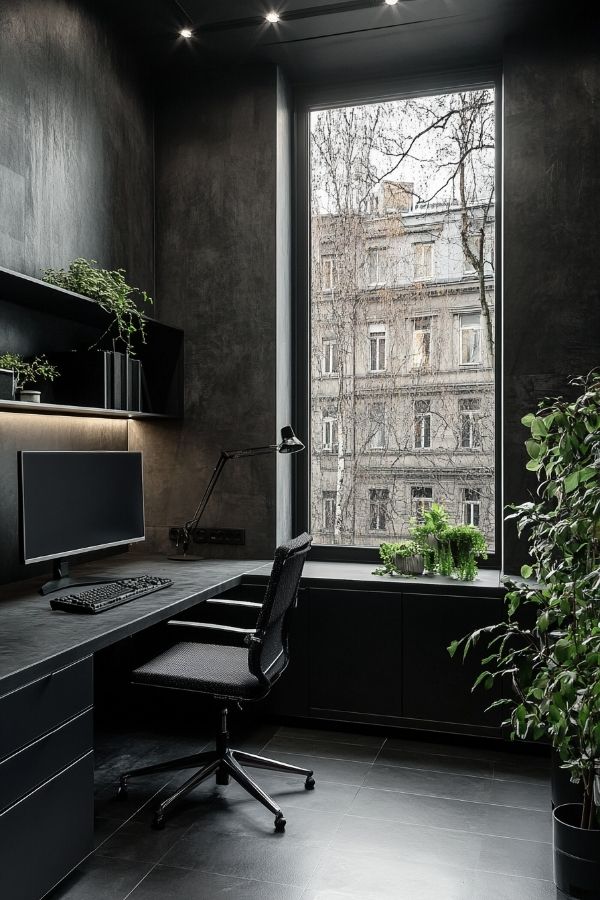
(209, 625)
(219, 601)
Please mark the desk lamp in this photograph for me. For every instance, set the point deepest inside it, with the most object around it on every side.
(289, 444)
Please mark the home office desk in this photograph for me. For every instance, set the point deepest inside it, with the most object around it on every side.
(46, 709)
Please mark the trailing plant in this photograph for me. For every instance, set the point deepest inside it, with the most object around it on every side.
(388, 553)
(110, 290)
(466, 545)
(28, 372)
(553, 664)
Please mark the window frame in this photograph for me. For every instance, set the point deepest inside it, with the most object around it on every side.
(328, 358)
(308, 98)
(377, 334)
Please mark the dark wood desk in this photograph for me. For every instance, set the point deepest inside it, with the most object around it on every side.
(46, 709)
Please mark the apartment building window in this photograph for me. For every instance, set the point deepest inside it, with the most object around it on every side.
(378, 509)
(329, 498)
(376, 266)
(421, 498)
(470, 432)
(423, 261)
(470, 339)
(330, 434)
(377, 337)
(421, 343)
(327, 273)
(330, 357)
(471, 506)
(377, 435)
(422, 424)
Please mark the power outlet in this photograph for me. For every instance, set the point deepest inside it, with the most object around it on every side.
(230, 536)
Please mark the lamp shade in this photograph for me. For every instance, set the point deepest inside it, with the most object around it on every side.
(289, 442)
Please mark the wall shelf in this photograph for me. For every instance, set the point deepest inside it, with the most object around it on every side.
(36, 317)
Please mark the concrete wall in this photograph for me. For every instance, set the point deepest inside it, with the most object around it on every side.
(223, 257)
(76, 179)
(551, 237)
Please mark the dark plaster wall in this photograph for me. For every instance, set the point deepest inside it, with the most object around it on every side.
(220, 137)
(76, 145)
(551, 236)
(76, 179)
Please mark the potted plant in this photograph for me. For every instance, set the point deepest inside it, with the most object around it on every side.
(110, 290)
(401, 558)
(428, 535)
(28, 373)
(466, 545)
(552, 661)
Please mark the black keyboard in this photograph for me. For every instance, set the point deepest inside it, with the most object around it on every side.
(104, 596)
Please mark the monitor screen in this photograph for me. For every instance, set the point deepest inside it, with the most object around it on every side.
(73, 501)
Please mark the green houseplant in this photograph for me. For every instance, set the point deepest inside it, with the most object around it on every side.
(548, 648)
(112, 292)
(466, 544)
(428, 536)
(28, 373)
(400, 558)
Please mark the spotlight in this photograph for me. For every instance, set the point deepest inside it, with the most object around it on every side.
(186, 33)
(391, 2)
(272, 17)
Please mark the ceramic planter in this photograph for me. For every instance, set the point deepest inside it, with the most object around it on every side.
(30, 396)
(409, 565)
(576, 854)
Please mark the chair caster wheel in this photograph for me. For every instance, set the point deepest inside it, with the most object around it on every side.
(279, 823)
(309, 784)
(122, 790)
(158, 822)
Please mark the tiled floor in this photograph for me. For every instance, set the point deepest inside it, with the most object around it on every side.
(393, 818)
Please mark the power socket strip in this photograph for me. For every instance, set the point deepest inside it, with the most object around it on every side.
(230, 536)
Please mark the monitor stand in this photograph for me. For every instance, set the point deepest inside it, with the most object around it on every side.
(62, 579)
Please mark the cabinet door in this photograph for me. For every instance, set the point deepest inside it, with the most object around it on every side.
(355, 653)
(437, 688)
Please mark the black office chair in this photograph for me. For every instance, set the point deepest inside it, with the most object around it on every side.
(232, 674)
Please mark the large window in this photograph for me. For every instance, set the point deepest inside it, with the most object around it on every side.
(402, 315)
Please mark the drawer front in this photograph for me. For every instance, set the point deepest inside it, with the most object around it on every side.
(28, 768)
(48, 833)
(43, 705)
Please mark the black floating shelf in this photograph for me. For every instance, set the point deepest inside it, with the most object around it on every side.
(36, 317)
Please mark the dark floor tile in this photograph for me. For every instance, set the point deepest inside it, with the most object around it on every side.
(530, 795)
(167, 883)
(530, 770)
(138, 842)
(459, 815)
(437, 762)
(489, 753)
(433, 847)
(320, 749)
(99, 878)
(344, 771)
(374, 876)
(326, 734)
(107, 805)
(104, 828)
(245, 846)
(435, 784)
(289, 792)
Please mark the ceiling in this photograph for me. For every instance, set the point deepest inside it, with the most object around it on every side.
(327, 39)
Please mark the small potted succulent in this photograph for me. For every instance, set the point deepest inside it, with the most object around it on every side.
(28, 372)
(400, 558)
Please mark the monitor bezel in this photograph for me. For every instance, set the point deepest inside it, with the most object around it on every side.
(67, 554)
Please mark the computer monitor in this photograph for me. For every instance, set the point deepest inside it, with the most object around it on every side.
(72, 502)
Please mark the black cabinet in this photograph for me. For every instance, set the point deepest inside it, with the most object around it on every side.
(355, 654)
(436, 688)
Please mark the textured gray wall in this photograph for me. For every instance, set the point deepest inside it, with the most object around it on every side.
(76, 162)
(76, 178)
(219, 139)
(551, 238)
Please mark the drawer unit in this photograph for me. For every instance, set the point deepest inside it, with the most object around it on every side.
(25, 770)
(39, 707)
(47, 833)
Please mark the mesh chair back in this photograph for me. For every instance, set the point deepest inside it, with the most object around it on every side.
(269, 653)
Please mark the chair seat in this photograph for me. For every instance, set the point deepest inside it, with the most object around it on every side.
(206, 668)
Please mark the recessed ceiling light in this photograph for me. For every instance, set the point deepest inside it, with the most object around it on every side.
(186, 33)
(272, 17)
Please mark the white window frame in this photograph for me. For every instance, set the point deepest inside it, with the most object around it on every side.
(377, 341)
(327, 273)
(419, 502)
(471, 507)
(419, 273)
(378, 509)
(417, 363)
(329, 354)
(463, 330)
(377, 427)
(379, 268)
(470, 416)
(421, 429)
(329, 443)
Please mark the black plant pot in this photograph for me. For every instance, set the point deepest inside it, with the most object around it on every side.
(576, 854)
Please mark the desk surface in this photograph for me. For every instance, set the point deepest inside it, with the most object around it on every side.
(34, 640)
